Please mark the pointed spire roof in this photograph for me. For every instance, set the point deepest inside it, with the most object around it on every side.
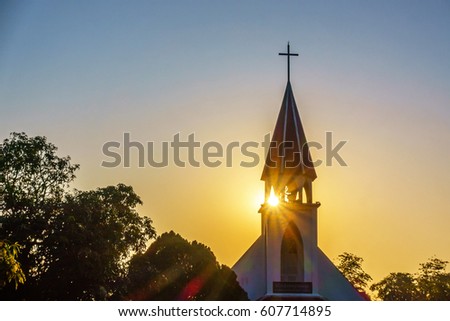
(288, 156)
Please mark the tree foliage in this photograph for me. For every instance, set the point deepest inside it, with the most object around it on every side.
(34, 180)
(10, 269)
(396, 287)
(91, 242)
(33, 184)
(175, 269)
(75, 245)
(350, 266)
(431, 283)
(34, 177)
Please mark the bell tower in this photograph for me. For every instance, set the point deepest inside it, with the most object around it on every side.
(288, 215)
(285, 262)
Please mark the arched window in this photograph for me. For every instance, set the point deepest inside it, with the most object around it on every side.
(292, 256)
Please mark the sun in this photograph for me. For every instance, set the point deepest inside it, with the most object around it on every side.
(273, 200)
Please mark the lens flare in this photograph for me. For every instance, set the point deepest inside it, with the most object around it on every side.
(273, 200)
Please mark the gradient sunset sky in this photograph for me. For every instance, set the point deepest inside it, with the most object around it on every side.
(375, 73)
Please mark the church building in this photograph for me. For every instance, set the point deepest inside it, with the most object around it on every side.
(285, 262)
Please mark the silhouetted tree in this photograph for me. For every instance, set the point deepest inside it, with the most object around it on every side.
(432, 283)
(91, 242)
(396, 287)
(34, 180)
(175, 269)
(350, 266)
(75, 246)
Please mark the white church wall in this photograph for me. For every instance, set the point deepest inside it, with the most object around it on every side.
(332, 284)
(250, 270)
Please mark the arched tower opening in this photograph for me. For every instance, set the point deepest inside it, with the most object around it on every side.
(292, 255)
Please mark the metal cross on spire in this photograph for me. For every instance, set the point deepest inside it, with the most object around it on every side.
(288, 54)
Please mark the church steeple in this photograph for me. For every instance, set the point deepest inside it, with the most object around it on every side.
(289, 169)
(285, 263)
